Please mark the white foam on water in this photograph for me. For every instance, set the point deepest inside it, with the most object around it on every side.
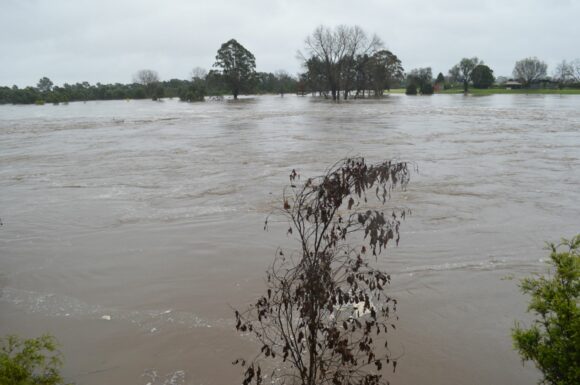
(152, 377)
(53, 305)
(481, 265)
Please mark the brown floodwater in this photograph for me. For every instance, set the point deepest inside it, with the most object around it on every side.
(131, 229)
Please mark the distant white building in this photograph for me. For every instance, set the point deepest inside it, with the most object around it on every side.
(512, 84)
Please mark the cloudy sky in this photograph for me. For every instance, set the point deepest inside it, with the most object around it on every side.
(109, 40)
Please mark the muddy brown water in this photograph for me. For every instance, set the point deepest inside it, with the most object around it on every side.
(151, 214)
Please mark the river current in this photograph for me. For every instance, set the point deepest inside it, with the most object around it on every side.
(131, 228)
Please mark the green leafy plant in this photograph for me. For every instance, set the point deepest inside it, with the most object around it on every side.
(552, 342)
(30, 361)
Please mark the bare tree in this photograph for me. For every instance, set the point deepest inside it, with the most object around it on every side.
(326, 311)
(150, 80)
(567, 72)
(198, 73)
(575, 69)
(336, 49)
(146, 77)
(529, 70)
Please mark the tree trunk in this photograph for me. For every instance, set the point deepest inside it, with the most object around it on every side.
(465, 88)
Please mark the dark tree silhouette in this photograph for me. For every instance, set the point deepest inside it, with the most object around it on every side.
(44, 85)
(326, 311)
(482, 76)
(238, 66)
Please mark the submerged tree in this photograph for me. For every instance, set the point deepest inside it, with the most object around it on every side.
(385, 70)
(150, 81)
(336, 50)
(196, 90)
(326, 311)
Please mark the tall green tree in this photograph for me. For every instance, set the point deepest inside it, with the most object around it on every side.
(552, 342)
(238, 67)
(386, 68)
(482, 76)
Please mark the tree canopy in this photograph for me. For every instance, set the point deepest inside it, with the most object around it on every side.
(482, 76)
(238, 67)
(385, 70)
(44, 85)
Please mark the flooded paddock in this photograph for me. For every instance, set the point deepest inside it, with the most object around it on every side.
(130, 228)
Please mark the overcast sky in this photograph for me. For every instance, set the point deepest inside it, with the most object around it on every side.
(109, 40)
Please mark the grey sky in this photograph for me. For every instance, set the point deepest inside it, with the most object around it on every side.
(109, 40)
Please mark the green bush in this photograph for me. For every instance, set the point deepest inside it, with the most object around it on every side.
(35, 361)
(194, 93)
(427, 89)
(411, 89)
(552, 342)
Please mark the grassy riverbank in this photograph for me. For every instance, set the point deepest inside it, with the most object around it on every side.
(493, 91)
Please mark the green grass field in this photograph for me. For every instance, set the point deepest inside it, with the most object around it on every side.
(494, 91)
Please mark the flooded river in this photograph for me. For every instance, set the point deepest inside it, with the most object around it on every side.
(131, 229)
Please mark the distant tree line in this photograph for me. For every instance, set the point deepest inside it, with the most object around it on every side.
(146, 85)
(338, 62)
(529, 72)
(473, 72)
